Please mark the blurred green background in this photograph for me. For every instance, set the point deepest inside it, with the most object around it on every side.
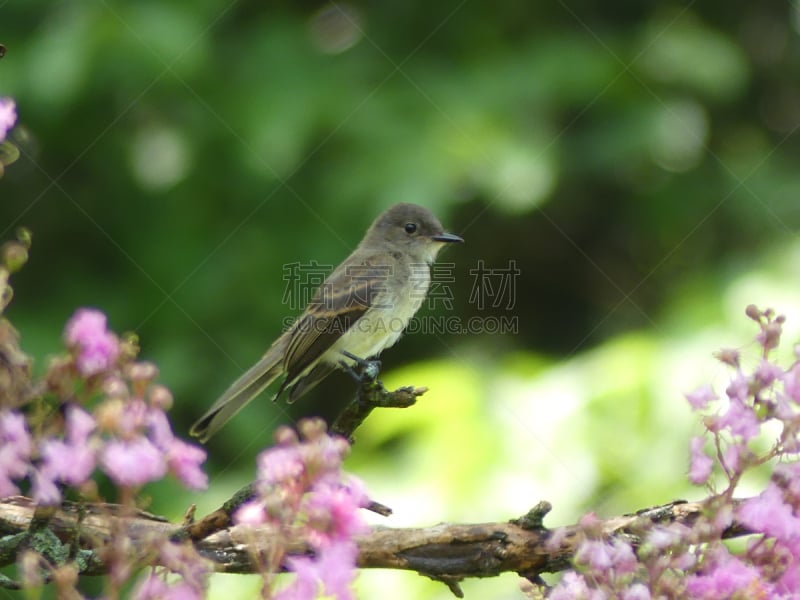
(636, 162)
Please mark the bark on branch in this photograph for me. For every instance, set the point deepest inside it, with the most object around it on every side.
(446, 552)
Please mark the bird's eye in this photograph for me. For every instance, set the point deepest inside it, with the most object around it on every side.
(410, 227)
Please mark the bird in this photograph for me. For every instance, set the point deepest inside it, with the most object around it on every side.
(359, 310)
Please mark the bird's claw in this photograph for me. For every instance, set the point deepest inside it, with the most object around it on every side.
(364, 370)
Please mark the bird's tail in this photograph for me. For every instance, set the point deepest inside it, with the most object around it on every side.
(242, 391)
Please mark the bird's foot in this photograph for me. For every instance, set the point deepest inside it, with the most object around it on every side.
(364, 370)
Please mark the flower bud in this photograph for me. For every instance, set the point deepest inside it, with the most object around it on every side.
(160, 397)
(285, 436)
(312, 428)
(15, 255)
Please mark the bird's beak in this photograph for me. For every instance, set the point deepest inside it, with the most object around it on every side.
(447, 238)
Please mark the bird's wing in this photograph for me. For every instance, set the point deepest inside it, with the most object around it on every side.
(309, 381)
(243, 390)
(336, 306)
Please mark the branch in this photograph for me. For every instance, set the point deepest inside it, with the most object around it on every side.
(370, 395)
(446, 552)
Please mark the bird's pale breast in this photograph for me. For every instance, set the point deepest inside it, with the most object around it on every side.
(383, 324)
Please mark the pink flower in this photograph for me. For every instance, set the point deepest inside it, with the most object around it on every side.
(14, 430)
(155, 588)
(739, 388)
(684, 561)
(184, 462)
(305, 585)
(337, 570)
(788, 474)
(8, 116)
(183, 459)
(184, 560)
(589, 522)
(732, 455)
(158, 426)
(727, 577)
(769, 514)
(250, 513)
(183, 591)
(15, 451)
(790, 580)
(71, 463)
(79, 425)
(133, 463)
(663, 537)
(721, 519)
(739, 419)
(8, 466)
(280, 465)
(767, 372)
(637, 591)
(606, 559)
(791, 382)
(701, 397)
(330, 450)
(623, 557)
(97, 348)
(331, 571)
(700, 464)
(152, 588)
(334, 512)
(44, 490)
(135, 416)
(570, 587)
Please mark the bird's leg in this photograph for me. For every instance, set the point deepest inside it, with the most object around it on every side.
(367, 371)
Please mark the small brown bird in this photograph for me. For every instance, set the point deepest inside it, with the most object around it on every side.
(360, 309)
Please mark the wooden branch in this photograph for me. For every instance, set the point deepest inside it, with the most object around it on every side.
(371, 395)
(446, 552)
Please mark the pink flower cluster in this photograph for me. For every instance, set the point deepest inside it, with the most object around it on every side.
(69, 460)
(603, 568)
(694, 563)
(127, 435)
(144, 449)
(766, 394)
(726, 576)
(301, 485)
